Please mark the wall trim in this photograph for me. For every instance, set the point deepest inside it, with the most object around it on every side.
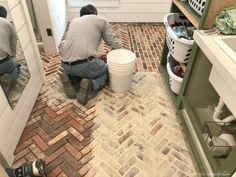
(97, 3)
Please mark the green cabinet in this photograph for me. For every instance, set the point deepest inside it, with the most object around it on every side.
(197, 98)
(196, 108)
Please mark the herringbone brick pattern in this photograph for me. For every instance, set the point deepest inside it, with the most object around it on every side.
(115, 135)
(138, 133)
(146, 42)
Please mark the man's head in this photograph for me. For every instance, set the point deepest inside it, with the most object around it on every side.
(88, 10)
(3, 12)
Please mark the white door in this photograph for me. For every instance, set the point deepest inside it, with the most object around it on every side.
(2, 164)
(2, 172)
(51, 18)
(14, 119)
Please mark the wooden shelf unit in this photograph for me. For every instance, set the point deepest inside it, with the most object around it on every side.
(206, 21)
(212, 8)
(192, 16)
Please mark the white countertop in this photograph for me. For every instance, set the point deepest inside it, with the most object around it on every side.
(217, 56)
(223, 73)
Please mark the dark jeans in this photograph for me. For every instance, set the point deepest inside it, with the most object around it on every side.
(96, 70)
(10, 66)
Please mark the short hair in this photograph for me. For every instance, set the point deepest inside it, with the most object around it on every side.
(3, 12)
(88, 10)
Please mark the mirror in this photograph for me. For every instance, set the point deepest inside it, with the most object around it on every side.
(14, 72)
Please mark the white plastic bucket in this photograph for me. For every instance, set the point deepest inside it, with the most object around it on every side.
(121, 63)
(120, 69)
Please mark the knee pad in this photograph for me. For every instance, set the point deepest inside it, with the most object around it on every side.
(32, 169)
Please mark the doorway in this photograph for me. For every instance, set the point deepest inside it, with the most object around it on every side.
(49, 23)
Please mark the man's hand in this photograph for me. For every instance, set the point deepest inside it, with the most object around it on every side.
(102, 57)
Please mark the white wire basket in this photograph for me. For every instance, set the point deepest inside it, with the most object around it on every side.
(219, 138)
(175, 81)
(197, 5)
(180, 48)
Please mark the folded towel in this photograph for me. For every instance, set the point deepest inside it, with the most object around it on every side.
(225, 21)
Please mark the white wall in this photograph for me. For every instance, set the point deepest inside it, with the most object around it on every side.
(4, 4)
(31, 13)
(12, 122)
(58, 18)
(51, 15)
(130, 11)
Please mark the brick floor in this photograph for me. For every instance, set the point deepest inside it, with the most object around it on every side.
(132, 134)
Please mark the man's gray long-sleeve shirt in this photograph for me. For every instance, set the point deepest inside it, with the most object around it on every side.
(84, 37)
(8, 39)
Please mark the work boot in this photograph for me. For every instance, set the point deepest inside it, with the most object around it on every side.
(67, 86)
(85, 91)
(75, 81)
